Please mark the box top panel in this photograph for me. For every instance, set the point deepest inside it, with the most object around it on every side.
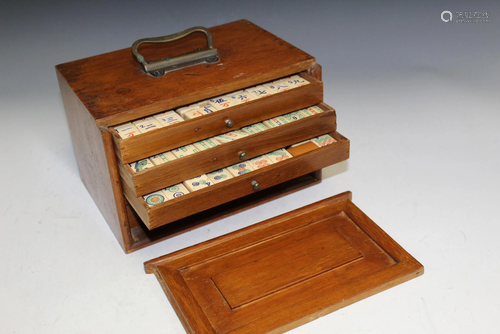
(114, 87)
(283, 272)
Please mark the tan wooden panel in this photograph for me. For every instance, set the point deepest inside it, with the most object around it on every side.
(283, 272)
(114, 88)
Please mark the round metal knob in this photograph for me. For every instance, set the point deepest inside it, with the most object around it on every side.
(255, 185)
(229, 123)
(242, 155)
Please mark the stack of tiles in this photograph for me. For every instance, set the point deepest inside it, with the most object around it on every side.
(218, 176)
(227, 137)
(166, 194)
(207, 107)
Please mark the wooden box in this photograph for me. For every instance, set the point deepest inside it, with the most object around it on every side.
(102, 92)
(269, 277)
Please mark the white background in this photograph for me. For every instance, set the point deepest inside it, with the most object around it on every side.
(417, 97)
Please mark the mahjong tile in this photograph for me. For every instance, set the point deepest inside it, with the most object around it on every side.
(323, 140)
(182, 110)
(147, 124)
(175, 191)
(208, 107)
(260, 162)
(230, 136)
(205, 144)
(155, 198)
(269, 123)
(259, 91)
(141, 165)
(193, 113)
(197, 183)
(296, 81)
(310, 111)
(276, 87)
(184, 151)
(240, 169)
(168, 118)
(127, 130)
(222, 102)
(315, 110)
(241, 97)
(254, 128)
(162, 158)
(279, 155)
(293, 116)
(275, 121)
(219, 175)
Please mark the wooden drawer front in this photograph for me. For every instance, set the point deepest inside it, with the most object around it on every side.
(240, 186)
(173, 172)
(170, 137)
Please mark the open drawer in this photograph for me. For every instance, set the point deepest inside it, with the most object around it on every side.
(173, 172)
(240, 186)
(167, 138)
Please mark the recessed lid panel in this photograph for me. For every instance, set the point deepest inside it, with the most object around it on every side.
(283, 272)
(113, 85)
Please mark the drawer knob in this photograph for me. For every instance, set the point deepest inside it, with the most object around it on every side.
(229, 123)
(255, 185)
(242, 155)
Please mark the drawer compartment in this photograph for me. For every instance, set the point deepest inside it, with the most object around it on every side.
(240, 186)
(189, 131)
(173, 172)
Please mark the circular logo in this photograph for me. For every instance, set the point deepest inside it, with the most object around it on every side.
(195, 184)
(178, 194)
(448, 14)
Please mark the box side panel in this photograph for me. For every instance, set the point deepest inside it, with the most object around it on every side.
(92, 161)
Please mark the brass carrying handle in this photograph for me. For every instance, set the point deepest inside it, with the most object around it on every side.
(159, 67)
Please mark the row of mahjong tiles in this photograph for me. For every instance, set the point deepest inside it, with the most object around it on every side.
(223, 174)
(223, 138)
(206, 107)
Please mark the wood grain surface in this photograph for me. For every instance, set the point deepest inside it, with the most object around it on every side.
(114, 88)
(185, 168)
(283, 272)
(189, 131)
(240, 186)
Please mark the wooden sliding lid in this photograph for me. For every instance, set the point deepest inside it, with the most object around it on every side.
(283, 272)
(114, 87)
